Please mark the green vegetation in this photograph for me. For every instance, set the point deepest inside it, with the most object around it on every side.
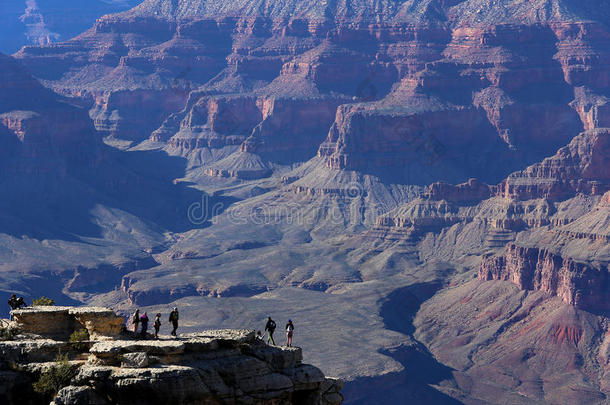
(55, 378)
(78, 337)
(43, 301)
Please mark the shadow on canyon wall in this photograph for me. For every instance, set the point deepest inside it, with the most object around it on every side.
(59, 205)
(412, 385)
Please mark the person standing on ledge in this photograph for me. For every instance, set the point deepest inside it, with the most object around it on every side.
(12, 302)
(144, 321)
(21, 303)
(173, 318)
(289, 330)
(135, 320)
(270, 328)
(157, 325)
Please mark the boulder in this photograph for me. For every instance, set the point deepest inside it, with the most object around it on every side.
(112, 352)
(71, 395)
(235, 336)
(60, 322)
(278, 357)
(134, 360)
(306, 377)
(100, 322)
(200, 344)
(48, 321)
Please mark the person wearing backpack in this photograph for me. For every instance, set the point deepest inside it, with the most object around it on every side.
(270, 328)
(144, 322)
(157, 325)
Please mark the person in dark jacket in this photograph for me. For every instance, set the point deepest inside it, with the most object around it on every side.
(173, 318)
(21, 303)
(16, 303)
(289, 330)
(144, 321)
(270, 328)
(135, 320)
(157, 325)
(12, 302)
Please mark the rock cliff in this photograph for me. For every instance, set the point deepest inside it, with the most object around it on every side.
(415, 83)
(211, 367)
(583, 285)
(569, 261)
(580, 167)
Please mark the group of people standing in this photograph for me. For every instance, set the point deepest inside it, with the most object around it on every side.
(270, 327)
(16, 303)
(174, 316)
(137, 319)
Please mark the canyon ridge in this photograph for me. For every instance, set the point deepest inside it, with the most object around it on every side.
(422, 186)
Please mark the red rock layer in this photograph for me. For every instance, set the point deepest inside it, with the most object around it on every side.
(578, 284)
(503, 90)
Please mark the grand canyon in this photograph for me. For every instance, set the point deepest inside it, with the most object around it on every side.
(422, 186)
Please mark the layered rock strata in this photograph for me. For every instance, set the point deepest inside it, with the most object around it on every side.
(569, 261)
(583, 166)
(583, 285)
(445, 79)
(212, 367)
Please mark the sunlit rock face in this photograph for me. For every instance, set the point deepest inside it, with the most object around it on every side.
(427, 91)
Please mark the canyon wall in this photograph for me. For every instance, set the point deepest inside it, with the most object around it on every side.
(583, 285)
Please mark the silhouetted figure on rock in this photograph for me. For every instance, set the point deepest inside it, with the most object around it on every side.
(12, 302)
(135, 320)
(289, 330)
(16, 303)
(270, 328)
(157, 325)
(173, 318)
(144, 320)
(21, 303)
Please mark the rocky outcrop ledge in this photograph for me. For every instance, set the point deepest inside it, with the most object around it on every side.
(209, 367)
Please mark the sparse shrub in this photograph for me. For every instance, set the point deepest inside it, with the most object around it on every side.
(7, 333)
(78, 337)
(56, 377)
(42, 301)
